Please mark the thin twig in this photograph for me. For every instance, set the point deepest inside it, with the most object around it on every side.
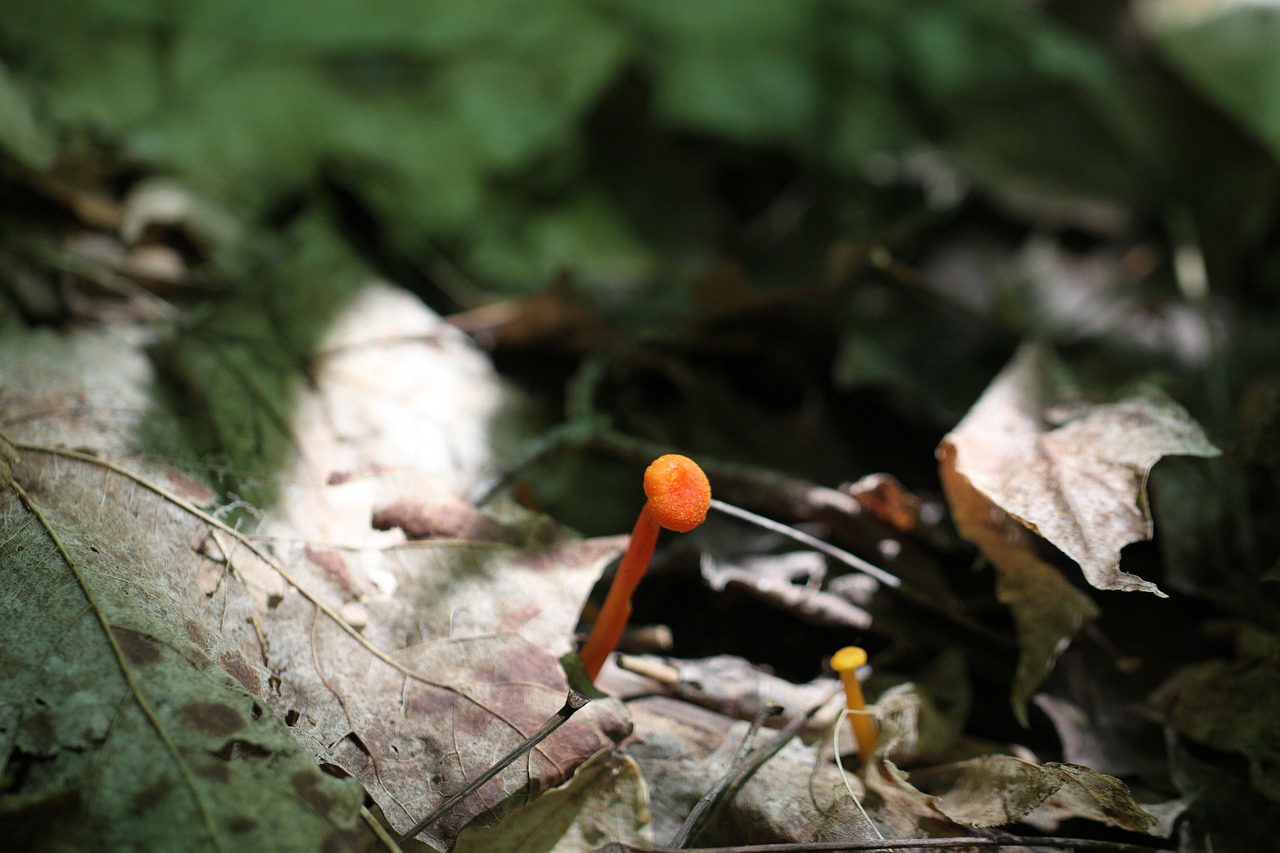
(573, 703)
(696, 817)
(1080, 845)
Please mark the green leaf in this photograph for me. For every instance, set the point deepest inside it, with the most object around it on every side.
(1232, 59)
(20, 132)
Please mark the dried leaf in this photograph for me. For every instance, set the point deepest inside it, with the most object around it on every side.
(447, 669)
(1072, 471)
(792, 582)
(1233, 707)
(1047, 610)
(728, 685)
(687, 749)
(999, 789)
(605, 801)
(140, 737)
(922, 720)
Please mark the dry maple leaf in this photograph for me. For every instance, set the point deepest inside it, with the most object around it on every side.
(1072, 471)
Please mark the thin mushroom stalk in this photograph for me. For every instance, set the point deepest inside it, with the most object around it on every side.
(846, 662)
(678, 496)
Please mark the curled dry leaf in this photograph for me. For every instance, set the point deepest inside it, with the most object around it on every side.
(1047, 610)
(999, 789)
(1072, 471)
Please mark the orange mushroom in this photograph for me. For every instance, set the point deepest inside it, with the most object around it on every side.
(678, 498)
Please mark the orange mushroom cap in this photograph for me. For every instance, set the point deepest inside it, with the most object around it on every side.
(678, 492)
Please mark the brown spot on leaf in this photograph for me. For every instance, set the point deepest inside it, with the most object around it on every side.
(214, 772)
(240, 670)
(238, 750)
(440, 518)
(308, 785)
(517, 617)
(424, 701)
(138, 648)
(242, 825)
(193, 490)
(144, 801)
(197, 634)
(333, 565)
(213, 718)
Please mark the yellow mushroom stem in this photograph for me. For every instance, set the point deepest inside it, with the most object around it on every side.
(846, 662)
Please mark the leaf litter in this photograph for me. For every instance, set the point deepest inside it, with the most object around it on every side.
(450, 629)
(379, 722)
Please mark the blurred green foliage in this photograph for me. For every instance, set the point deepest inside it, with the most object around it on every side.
(474, 150)
(471, 124)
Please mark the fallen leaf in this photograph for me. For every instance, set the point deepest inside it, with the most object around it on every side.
(728, 685)
(605, 801)
(1047, 610)
(923, 720)
(1074, 472)
(685, 750)
(129, 721)
(792, 582)
(1233, 707)
(996, 790)
(455, 659)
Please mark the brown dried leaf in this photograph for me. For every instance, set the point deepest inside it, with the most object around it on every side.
(606, 799)
(1047, 610)
(1233, 707)
(685, 750)
(1072, 471)
(999, 789)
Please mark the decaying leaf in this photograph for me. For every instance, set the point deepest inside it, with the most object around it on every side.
(447, 667)
(922, 720)
(1047, 610)
(126, 717)
(1072, 471)
(728, 685)
(686, 749)
(793, 582)
(999, 789)
(606, 800)
(1233, 707)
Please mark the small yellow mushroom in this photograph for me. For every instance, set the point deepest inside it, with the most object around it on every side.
(846, 662)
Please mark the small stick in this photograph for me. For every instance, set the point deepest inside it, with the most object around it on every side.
(693, 822)
(1078, 845)
(573, 703)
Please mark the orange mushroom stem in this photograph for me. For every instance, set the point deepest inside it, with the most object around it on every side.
(678, 498)
(846, 662)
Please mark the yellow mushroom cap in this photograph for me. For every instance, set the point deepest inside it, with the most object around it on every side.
(848, 658)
